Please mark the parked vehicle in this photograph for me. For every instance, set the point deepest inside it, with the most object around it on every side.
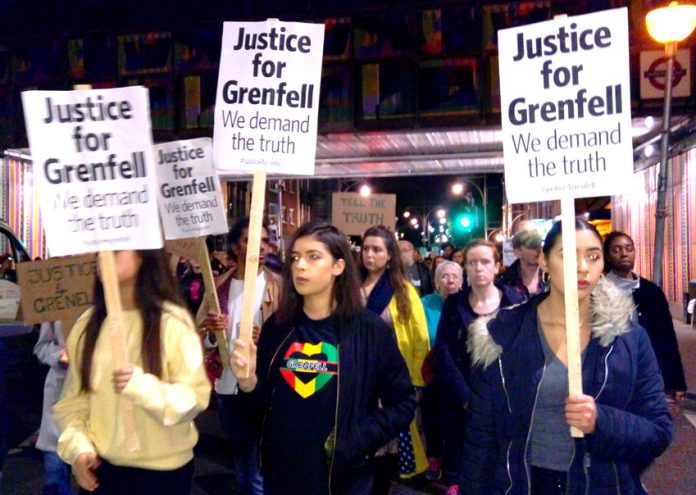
(18, 338)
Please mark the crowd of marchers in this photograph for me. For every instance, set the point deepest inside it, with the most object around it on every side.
(363, 370)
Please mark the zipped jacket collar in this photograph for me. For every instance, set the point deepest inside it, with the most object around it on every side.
(488, 337)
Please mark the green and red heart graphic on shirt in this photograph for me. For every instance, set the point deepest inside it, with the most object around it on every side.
(309, 367)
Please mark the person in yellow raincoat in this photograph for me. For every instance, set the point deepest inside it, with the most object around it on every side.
(389, 294)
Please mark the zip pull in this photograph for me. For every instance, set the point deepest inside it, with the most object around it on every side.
(587, 460)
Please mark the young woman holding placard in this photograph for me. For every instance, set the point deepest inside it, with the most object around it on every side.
(389, 294)
(165, 381)
(322, 366)
(517, 432)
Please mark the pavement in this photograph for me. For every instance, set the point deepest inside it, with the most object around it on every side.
(671, 474)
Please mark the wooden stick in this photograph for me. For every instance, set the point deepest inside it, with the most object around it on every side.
(174, 259)
(119, 349)
(572, 314)
(211, 296)
(114, 325)
(251, 267)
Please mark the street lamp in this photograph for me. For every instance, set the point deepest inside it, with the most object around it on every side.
(668, 25)
(411, 214)
(364, 189)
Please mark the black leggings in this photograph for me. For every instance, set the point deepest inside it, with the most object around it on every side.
(548, 482)
(118, 480)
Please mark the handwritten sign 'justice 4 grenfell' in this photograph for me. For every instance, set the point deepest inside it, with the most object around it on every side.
(267, 102)
(566, 107)
(94, 168)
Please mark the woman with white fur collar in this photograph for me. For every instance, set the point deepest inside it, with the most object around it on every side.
(517, 432)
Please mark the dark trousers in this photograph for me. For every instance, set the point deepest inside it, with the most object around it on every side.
(430, 416)
(118, 480)
(237, 424)
(547, 481)
(386, 466)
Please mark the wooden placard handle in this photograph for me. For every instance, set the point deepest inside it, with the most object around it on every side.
(119, 349)
(251, 267)
(114, 325)
(572, 314)
(212, 298)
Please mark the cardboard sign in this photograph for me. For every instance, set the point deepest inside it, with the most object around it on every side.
(58, 288)
(267, 103)
(94, 168)
(653, 68)
(186, 248)
(190, 199)
(353, 214)
(566, 107)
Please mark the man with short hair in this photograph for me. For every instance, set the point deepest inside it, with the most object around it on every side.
(234, 413)
(447, 250)
(651, 310)
(525, 275)
(417, 271)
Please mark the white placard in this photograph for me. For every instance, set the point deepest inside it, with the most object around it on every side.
(508, 253)
(94, 168)
(190, 199)
(653, 67)
(267, 102)
(566, 107)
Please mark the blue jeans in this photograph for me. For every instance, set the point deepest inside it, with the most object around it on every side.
(245, 446)
(57, 478)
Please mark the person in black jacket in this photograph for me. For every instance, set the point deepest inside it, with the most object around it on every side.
(418, 273)
(652, 310)
(524, 275)
(517, 431)
(327, 378)
(481, 296)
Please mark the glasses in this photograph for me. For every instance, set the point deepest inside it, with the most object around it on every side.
(449, 276)
(617, 249)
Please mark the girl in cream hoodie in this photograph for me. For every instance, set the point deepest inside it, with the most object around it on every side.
(164, 380)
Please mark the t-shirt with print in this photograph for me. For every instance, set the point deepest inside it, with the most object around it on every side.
(302, 412)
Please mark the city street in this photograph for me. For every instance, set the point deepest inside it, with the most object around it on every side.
(672, 474)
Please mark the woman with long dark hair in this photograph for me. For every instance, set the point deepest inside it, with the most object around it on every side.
(322, 366)
(517, 431)
(165, 380)
(390, 295)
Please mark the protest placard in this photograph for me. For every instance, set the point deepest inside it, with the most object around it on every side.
(10, 295)
(190, 199)
(567, 128)
(353, 213)
(186, 248)
(57, 288)
(92, 153)
(566, 117)
(97, 187)
(266, 113)
(266, 109)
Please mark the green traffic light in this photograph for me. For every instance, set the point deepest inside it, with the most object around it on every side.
(465, 222)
